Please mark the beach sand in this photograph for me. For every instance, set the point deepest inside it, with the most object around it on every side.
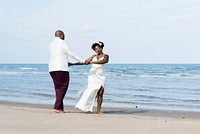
(36, 119)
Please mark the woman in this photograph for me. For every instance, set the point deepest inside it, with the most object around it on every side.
(96, 80)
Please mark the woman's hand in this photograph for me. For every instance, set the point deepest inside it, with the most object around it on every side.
(87, 62)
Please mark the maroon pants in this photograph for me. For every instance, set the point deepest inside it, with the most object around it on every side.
(61, 83)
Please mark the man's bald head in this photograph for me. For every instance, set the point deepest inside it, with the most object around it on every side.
(60, 34)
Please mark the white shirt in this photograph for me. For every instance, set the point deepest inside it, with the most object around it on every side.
(58, 52)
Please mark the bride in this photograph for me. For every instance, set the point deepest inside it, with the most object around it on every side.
(96, 80)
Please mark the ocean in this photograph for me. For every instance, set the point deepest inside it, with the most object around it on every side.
(146, 86)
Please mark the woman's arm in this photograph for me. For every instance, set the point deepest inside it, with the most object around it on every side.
(89, 59)
(105, 60)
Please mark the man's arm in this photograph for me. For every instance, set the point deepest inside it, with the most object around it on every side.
(72, 54)
(78, 63)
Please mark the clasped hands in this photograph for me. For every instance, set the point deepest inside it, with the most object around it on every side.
(79, 63)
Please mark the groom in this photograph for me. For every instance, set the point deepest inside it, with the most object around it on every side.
(58, 67)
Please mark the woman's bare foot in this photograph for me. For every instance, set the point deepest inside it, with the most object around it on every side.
(89, 112)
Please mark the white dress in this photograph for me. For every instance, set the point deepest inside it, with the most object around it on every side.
(96, 79)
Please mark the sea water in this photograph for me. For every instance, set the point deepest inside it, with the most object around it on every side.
(148, 86)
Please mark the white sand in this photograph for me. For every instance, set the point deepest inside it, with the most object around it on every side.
(32, 120)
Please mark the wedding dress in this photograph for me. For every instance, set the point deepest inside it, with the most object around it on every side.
(96, 79)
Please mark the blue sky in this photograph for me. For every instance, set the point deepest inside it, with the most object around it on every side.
(134, 31)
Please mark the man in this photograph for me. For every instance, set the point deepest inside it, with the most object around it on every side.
(58, 67)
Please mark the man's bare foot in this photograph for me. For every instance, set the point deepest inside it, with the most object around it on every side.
(59, 111)
(100, 112)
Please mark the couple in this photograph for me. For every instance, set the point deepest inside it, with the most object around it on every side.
(58, 69)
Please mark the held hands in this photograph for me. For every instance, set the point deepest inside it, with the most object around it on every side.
(87, 62)
(79, 63)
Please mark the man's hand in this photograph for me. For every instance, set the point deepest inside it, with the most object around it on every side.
(70, 64)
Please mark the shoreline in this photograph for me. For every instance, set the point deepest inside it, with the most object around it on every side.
(137, 112)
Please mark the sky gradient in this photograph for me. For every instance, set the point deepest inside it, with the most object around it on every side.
(134, 31)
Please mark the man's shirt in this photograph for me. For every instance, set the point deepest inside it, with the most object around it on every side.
(59, 52)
